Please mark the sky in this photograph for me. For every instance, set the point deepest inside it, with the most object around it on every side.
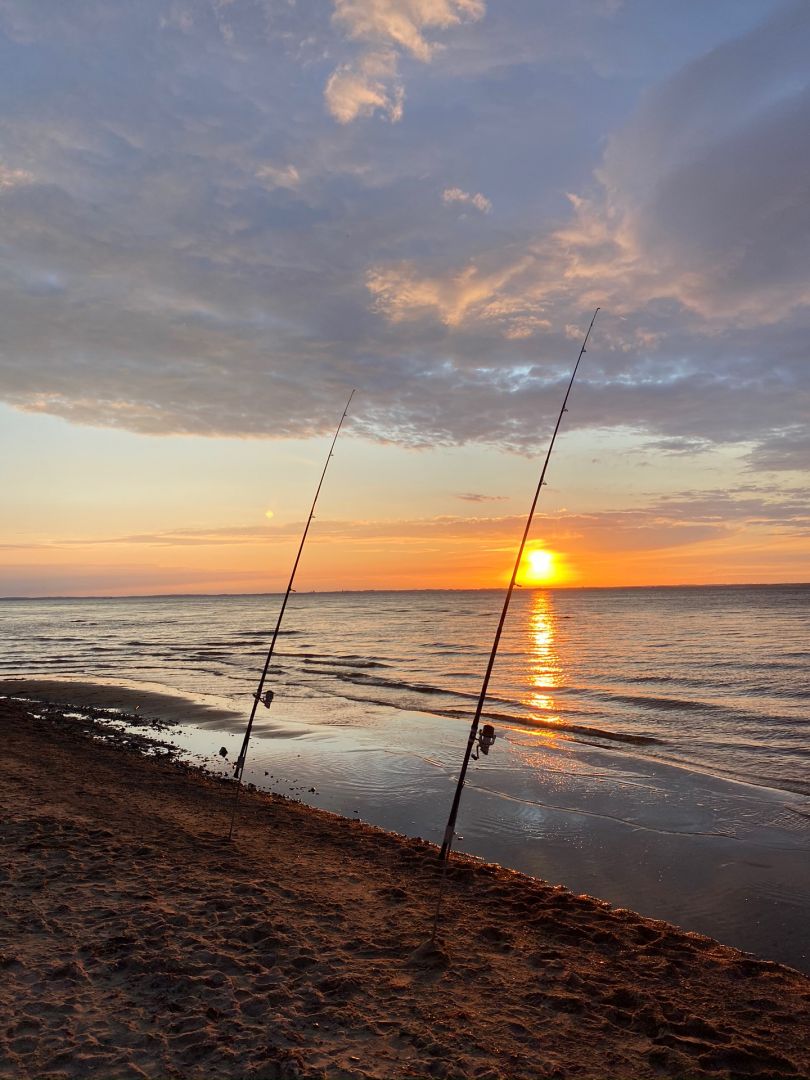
(218, 217)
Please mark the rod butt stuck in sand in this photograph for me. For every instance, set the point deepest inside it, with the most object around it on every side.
(262, 695)
(489, 735)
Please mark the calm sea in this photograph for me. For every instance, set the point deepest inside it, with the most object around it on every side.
(717, 679)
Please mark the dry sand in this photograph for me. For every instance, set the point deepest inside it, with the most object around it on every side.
(137, 942)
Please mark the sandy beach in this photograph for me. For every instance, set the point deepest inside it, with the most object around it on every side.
(138, 942)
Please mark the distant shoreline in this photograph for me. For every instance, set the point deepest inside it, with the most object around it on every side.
(366, 592)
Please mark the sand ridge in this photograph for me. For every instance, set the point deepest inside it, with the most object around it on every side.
(137, 942)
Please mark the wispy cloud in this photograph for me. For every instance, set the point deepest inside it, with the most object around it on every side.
(366, 86)
(475, 293)
(11, 178)
(371, 83)
(278, 176)
(783, 451)
(457, 195)
(403, 23)
(675, 519)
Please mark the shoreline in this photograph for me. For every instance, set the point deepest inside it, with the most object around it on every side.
(712, 855)
(145, 945)
(178, 707)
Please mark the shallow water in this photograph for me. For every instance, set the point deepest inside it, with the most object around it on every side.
(653, 743)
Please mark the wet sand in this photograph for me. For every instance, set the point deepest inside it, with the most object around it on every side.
(138, 942)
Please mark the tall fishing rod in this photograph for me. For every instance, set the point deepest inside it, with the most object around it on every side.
(487, 736)
(267, 698)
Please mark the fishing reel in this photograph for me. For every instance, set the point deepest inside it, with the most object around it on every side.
(484, 741)
(266, 698)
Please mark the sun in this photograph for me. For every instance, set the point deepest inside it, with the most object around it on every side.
(540, 567)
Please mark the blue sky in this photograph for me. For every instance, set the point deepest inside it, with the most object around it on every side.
(219, 216)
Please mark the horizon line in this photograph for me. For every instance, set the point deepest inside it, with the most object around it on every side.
(338, 592)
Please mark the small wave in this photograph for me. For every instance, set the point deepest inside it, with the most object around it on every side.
(453, 652)
(669, 680)
(339, 661)
(397, 684)
(765, 690)
(577, 729)
(454, 647)
(563, 727)
(661, 702)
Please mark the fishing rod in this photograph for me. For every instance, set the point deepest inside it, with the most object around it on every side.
(487, 737)
(266, 697)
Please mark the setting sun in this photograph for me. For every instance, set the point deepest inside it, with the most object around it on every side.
(540, 567)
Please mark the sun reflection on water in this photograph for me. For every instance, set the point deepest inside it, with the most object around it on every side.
(545, 670)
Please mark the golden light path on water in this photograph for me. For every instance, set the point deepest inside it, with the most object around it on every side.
(546, 672)
(537, 746)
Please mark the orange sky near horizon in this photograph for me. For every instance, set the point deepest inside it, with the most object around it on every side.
(390, 562)
(98, 513)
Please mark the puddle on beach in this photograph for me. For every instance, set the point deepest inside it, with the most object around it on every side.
(709, 854)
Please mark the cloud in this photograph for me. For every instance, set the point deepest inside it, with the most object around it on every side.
(456, 195)
(196, 247)
(11, 178)
(786, 450)
(370, 83)
(704, 195)
(278, 176)
(661, 521)
(474, 293)
(694, 238)
(477, 497)
(365, 86)
(402, 23)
